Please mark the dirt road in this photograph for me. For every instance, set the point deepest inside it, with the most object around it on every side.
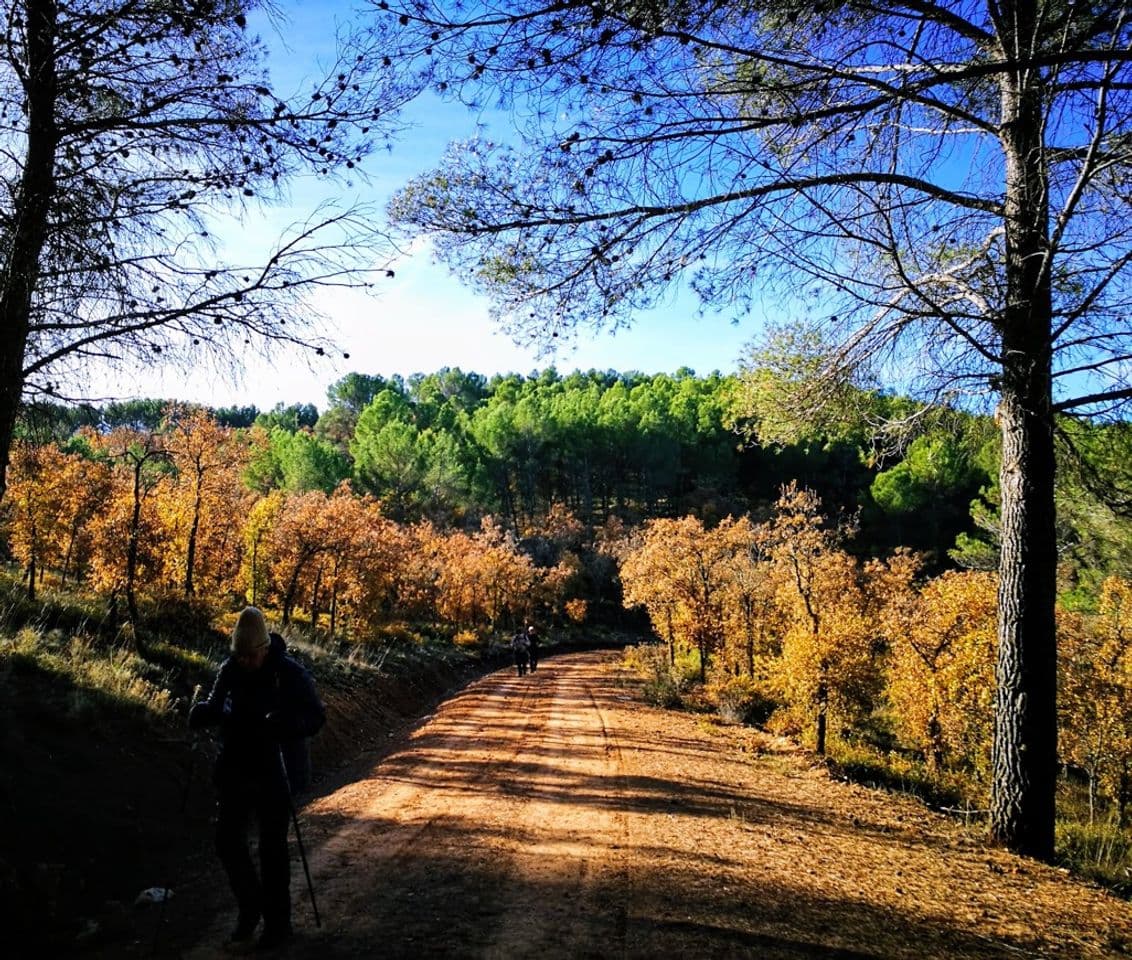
(553, 816)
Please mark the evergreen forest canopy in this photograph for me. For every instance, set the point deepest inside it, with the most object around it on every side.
(454, 446)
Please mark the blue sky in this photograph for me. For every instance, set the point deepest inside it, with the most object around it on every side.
(423, 319)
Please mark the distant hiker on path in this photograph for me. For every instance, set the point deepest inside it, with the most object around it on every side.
(521, 647)
(533, 641)
(266, 707)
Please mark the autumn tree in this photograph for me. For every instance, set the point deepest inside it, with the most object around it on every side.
(257, 529)
(367, 578)
(680, 574)
(940, 676)
(208, 461)
(131, 124)
(84, 483)
(126, 531)
(754, 620)
(938, 189)
(484, 577)
(296, 543)
(1097, 700)
(827, 664)
(33, 507)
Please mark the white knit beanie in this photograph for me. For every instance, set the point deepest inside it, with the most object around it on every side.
(250, 632)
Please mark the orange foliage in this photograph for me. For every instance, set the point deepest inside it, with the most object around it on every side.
(198, 504)
(126, 534)
(941, 670)
(828, 664)
(51, 498)
(1096, 694)
(681, 573)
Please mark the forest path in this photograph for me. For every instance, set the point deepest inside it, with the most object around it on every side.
(553, 816)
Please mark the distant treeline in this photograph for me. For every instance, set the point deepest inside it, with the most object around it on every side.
(453, 447)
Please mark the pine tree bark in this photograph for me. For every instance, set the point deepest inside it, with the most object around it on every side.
(29, 215)
(1024, 755)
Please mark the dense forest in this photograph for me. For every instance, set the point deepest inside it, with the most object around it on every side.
(454, 446)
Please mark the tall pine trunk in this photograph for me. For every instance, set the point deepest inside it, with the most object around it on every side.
(29, 216)
(1024, 755)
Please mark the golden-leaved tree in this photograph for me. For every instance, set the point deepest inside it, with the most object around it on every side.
(484, 577)
(204, 504)
(680, 573)
(941, 670)
(754, 622)
(52, 496)
(828, 663)
(32, 507)
(1096, 698)
(126, 534)
(305, 533)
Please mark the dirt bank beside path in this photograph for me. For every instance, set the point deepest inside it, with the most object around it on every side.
(552, 816)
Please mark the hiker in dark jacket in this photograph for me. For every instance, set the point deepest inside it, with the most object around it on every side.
(266, 707)
(533, 641)
(521, 648)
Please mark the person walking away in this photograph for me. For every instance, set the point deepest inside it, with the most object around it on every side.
(266, 707)
(520, 647)
(533, 641)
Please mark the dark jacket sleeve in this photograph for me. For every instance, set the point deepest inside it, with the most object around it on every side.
(209, 712)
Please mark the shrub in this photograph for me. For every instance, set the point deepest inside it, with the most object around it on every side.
(1099, 851)
(665, 684)
(740, 700)
(467, 639)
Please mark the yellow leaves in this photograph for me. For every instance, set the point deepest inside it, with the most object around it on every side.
(941, 669)
(1095, 687)
(482, 577)
(51, 497)
(681, 573)
(168, 512)
(576, 610)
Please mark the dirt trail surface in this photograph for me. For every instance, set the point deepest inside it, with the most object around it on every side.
(554, 816)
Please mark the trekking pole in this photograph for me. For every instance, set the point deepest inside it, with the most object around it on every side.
(299, 838)
(167, 891)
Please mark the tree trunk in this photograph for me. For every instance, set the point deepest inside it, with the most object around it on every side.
(315, 591)
(823, 718)
(293, 588)
(1124, 794)
(1024, 755)
(74, 532)
(191, 551)
(132, 553)
(334, 596)
(935, 741)
(28, 223)
(671, 636)
(749, 630)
